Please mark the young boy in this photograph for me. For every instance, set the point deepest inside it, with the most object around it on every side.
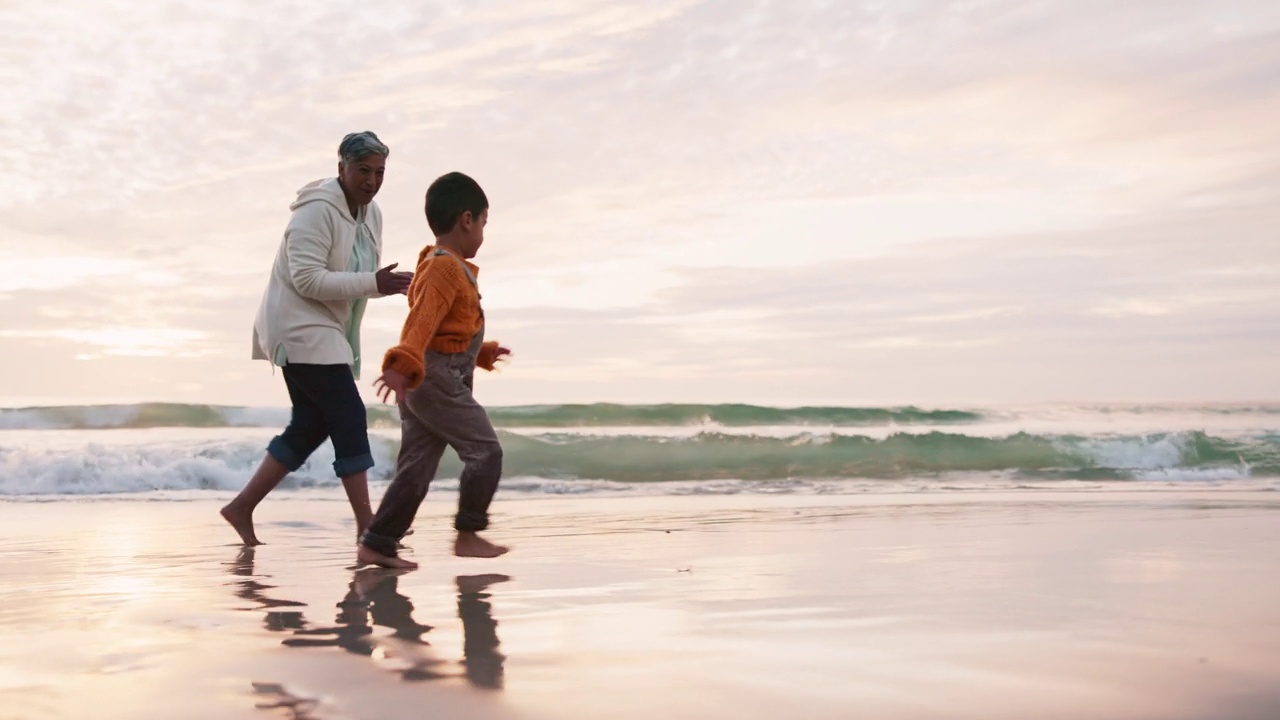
(430, 372)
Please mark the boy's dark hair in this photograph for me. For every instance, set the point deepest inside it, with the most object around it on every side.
(450, 196)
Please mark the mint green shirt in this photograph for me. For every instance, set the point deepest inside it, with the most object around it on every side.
(363, 259)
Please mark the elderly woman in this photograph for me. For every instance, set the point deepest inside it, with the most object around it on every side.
(309, 325)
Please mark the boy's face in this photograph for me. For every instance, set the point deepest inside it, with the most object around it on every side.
(473, 231)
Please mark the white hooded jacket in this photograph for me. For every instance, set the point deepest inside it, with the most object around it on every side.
(307, 304)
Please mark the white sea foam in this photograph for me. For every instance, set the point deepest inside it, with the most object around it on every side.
(105, 462)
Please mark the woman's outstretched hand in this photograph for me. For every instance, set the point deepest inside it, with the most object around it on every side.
(391, 282)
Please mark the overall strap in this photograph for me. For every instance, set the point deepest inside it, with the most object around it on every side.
(470, 275)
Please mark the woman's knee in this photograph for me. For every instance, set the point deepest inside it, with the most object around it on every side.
(301, 438)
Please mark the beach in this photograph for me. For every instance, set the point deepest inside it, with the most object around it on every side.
(876, 360)
(1036, 603)
(883, 360)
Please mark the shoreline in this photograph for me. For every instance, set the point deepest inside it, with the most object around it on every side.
(520, 489)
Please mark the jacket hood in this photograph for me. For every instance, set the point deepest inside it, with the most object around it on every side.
(327, 191)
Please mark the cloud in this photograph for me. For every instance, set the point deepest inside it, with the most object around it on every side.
(46, 272)
(685, 193)
(1210, 277)
(122, 341)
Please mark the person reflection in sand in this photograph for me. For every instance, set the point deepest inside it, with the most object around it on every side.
(483, 662)
(253, 591)
(373, 600)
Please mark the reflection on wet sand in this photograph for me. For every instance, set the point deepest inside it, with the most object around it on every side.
(254, 591)
(483, 662)
(278, 697)
(373, 600)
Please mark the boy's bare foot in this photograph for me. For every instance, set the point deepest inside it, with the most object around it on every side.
(470, 584)
(470, 544)
(242, 523)
(367, 556)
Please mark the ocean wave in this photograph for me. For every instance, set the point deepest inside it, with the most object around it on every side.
(96, 469)
(727, 415)
(561, 463)
(718, 456)
(142, 415)
(151, 415)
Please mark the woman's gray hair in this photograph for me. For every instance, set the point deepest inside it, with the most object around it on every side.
(361, 145)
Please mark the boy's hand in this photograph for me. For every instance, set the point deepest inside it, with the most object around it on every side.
(391, 282)
(391, 381)
(490, 354)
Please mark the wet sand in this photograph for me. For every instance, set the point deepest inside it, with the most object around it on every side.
(966, 605)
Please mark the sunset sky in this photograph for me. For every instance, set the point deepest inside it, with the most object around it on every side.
(781, 202)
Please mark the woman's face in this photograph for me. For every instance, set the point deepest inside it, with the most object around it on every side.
(361, 179)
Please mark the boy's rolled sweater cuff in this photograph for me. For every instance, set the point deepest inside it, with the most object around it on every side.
(405, 361)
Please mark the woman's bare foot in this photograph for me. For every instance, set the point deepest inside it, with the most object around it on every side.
(470, 544)
(367, 556)
(242, 523)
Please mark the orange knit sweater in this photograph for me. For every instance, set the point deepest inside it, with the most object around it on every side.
(444, 315)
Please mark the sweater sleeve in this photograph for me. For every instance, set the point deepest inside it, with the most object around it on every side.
(432, 294)
(308, 240)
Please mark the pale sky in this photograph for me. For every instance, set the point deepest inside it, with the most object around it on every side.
(782, 202)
